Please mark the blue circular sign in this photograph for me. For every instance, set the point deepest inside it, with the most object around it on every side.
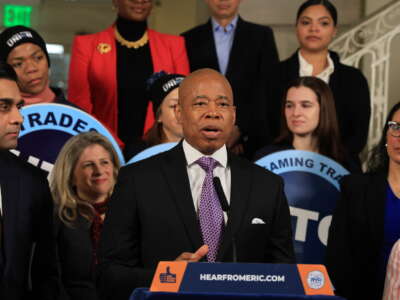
(312, 189)
(47, 127)
(151, 152)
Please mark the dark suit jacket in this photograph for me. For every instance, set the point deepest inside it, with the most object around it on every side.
(251, 59)
(356, 237)
(75, 253)
(28, 227)
(351, 94)
(152, 217)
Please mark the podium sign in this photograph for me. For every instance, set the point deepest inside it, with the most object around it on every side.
(241, 278)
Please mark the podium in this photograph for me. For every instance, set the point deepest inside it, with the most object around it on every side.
(145, 294)
(183, 280)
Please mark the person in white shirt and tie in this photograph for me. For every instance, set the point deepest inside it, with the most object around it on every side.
(167, 207)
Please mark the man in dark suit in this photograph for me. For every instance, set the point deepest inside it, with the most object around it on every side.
(245, 53)
(28, 268)
(158, 209)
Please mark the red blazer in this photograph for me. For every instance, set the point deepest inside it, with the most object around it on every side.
(92, 83)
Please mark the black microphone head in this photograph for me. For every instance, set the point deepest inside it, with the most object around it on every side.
(221, 194)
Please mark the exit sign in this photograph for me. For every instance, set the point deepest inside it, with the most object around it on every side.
(17, 15)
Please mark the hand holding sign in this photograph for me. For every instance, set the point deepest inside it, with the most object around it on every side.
(193, 257)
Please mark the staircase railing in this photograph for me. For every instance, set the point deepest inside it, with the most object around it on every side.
(369, 43)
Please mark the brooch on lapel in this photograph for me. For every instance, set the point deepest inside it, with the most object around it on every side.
(103, 48)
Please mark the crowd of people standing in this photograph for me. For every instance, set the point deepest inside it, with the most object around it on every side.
(225, 103)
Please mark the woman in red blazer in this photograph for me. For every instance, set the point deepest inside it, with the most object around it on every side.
(109, 69)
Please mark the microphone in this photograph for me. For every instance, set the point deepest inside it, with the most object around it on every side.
(221, 195)
(225, 207)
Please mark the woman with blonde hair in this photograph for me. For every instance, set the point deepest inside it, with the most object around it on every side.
(81, 183)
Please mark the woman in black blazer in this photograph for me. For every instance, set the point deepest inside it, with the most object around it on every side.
(315, 28)
(81, 183)
(366, 222)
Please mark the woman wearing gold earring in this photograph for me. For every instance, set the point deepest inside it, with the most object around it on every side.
(109, 69)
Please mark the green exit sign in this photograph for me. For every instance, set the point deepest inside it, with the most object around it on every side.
(17, 15)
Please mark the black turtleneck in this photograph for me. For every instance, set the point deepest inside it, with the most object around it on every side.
(134, 67)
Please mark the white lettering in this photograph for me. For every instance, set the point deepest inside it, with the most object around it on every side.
(46, 166)
(33, 160)
(18, 36)
(323, 229)
(303, 215)
(15, 152)
(242, 277)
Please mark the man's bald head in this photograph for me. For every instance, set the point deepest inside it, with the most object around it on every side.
(201, 75)
(206, 110)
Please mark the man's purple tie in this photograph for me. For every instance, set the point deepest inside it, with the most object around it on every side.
(210, 211)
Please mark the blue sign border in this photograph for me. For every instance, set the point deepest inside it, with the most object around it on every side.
(318, 161)
(151, 152)
(59, 111)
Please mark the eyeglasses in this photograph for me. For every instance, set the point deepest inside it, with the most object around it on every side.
(394, 128)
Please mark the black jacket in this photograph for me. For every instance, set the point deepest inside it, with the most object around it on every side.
(252, 56)
(27, 229)
(75, 252)
(356, 237)
(152, 217)
(60, 98)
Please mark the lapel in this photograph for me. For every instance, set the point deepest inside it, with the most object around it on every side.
(241, 178)
(375, 202)
(208, 49)
(173, 167)
(292, 67)
(104, 63)
(160, 55)
(240, 41)
(10, 195)
(334, 79)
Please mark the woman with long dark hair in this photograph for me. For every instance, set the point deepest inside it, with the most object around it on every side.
(366, 222)
(316, 26)
(308, 121)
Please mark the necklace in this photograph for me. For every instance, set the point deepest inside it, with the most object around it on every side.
(136, 44)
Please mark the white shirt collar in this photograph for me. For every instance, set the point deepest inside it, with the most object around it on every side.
(192, 154)
(306, 69)
(228, 28)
